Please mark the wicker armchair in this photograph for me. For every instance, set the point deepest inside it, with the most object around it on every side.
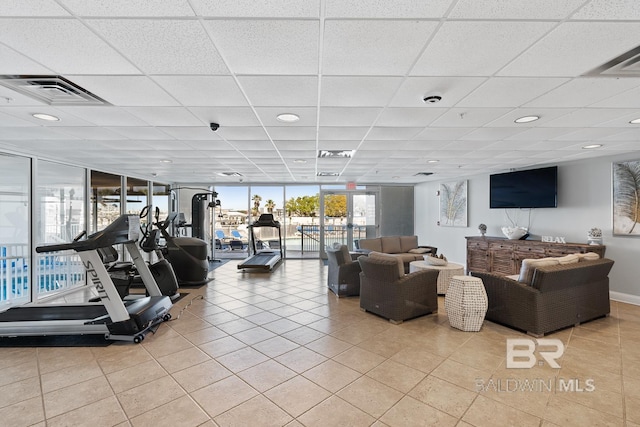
(559, 296)
(385, 293)
(344, 274)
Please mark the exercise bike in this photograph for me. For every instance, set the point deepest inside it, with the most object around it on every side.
(187, 255)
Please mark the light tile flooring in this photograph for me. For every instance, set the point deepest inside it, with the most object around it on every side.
(278, 349)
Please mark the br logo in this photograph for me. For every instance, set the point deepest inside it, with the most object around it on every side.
(521, 352)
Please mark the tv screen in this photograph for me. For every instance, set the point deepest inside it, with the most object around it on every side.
(534, 188)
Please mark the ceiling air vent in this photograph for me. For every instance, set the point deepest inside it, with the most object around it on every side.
(328, 174)
(335, 154)
(52, 90)
(625, 65)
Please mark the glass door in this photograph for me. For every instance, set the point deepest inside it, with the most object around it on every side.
(347, 216)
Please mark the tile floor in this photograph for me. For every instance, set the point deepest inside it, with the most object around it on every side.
(278, 349)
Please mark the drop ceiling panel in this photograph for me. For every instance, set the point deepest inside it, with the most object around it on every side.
(242, 133)
(64, 45)
(163, 46)
(441, 134)
(358, 91)
(584, 91)
(451, 89)
(128, 8)
(388, 10)
(103, 116)
(140, 132)
(418, 117)
(293, 133)
(393, 133)
(12, 121)
(90, 133)
(251, 8)
(199, 91)
(269, 116)
(25, 113)
(356, 47)
(469, 117)
(454, 51)
(166, 116)
(338, 145)
(126, 90)
(499, 9)
(32, 8)
(588, 134)
(539, 134)
(490, 134)
(628, 99)
(348, 116)
(546, 115)
(288, 91)
(606, 9)
(587, 117)
(509, 91)
(342, 133)
(380, 145)
(229, 116)
(191, 133)
(15, 63)
(267, 46)
(574, 48)
(31, 133)
(295, 145)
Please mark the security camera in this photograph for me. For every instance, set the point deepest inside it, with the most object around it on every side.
(431, 99)
(214, 126)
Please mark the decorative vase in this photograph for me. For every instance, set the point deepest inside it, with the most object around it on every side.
(594, 236)
(514, 233)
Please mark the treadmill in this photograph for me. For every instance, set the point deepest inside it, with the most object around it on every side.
(264, 259)
(112, 317)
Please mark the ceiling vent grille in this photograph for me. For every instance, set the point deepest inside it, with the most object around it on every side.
(52, 90)
(625, 65)
(335, 154)
(328, 174)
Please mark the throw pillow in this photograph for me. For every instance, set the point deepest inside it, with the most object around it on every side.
(397, 259)
(419, 251)
(568, 259)
(529, 267)
(589, 256)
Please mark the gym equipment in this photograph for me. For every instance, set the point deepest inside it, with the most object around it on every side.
(187, 255)
(265, 259)
(113, 317)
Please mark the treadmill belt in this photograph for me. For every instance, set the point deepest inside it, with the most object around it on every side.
(38, 313)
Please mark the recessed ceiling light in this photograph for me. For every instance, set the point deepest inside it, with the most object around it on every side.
(433, 161)
(288, 117)
(635, 121)
(166, 161)
(299, 161)
(592, 146)
(47, 117)
(527, 119)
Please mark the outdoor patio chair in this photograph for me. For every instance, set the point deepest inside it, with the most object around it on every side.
(343, 277)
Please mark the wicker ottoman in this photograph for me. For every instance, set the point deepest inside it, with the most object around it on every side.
(466, 303)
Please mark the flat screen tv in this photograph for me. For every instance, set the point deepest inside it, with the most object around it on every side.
(533, 188)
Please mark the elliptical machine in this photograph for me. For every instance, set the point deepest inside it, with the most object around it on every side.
(187, 255)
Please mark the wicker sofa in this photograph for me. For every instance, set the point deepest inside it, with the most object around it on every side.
(405, 247)
(559, 296)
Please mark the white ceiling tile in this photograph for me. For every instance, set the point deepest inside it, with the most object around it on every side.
(129, 8)
(398, 134)
(338, 145)
(539, 134)
(489, 134)
(12, 120)
(287, 91)
(575, 48)
(607, 9)
(269, 116)
(418, 117)
(284, 146)
(17, 64)
(514, 9)
(166, 116)
(455, 49)
(26, 114)
(198, 91)
(190, 133)
(627, 99)
(65, 46)
(381, 145)
(590, 134)
(89, 133)
(342, 133)
(380, 9)
(242, 133)
(163, 46)
(267, 46)
(140, 133)
(451, 89)
(226, 116)
(103, 116)
(509, 91)
(441, 134)
(24, 8)
(586, 117)
(295, 133)
(252, 8)
(629, 135)
(31, 133)
(584, 91)
(469, 117)
(546, 115)
(357, 91)
(126, 90)
(348, 116)
(355, 47)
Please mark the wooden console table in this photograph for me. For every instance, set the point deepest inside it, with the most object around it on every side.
(504, 256)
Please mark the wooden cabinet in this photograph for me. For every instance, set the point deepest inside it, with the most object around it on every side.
(504, 256)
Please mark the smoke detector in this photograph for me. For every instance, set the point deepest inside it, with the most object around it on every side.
(432, 98)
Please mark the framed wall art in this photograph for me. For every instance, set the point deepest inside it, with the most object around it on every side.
(626, 198)
(453, 204)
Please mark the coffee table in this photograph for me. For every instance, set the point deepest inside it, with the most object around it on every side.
(445, 275)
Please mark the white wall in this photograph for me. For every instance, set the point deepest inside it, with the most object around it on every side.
(584, 201)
